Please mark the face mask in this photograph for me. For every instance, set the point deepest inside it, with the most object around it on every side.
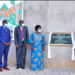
(5, 24)
(23, 24)
(39, 30)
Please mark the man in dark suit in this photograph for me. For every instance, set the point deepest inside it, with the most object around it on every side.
(5, 40)
(21, 42)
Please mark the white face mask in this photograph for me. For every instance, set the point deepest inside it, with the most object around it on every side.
(39, 30)
(23, 24)
(5, 24)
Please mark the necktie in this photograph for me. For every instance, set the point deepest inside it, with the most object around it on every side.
(5, 30)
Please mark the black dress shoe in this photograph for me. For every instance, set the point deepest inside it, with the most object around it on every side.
(18, 67)
(23, 67)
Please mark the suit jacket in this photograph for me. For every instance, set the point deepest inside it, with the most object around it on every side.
(18, 35)
(4, 37)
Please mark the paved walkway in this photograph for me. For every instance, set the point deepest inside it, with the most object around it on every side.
(28, 71)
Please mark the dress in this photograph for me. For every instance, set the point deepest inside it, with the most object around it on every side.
(37, 54)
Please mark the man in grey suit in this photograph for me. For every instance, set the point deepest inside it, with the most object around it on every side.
(21, 41)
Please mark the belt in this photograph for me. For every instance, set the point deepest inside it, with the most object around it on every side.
(22, 42)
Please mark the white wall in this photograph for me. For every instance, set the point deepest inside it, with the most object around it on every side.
(56, 16)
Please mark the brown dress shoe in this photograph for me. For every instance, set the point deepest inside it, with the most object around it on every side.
(6, 68)
(1, 70)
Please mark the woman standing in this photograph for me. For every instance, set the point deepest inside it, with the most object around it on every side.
(37, 42)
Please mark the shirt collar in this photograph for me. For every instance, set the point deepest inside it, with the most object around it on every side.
(21, 27)
(4, 27)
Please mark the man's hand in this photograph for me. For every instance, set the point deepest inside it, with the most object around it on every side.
(32, 47)
(26, 46)
(6, 44)
(17, 46)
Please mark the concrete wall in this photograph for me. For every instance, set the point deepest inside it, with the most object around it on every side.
(56, 16)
